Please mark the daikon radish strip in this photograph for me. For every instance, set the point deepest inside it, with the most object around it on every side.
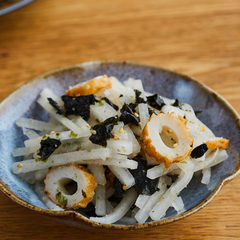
(38, 125)
(21, 151)
(102, 111)
(189, 114)
(61, 159)
(124, 176)
(41, 174)
(118, 88)
(28, 177)
(136, 84)
(122, 208)
(39, 189)
(206, 128)
(53, 120)
(206, 176)
(178, 204)
(110, 192)
(35, 142)
(222, 156)
(143, 114)
(113, 162)
(132, 138)
(136, 130)
(109, 207)
(29, 133)
(119, 132)
(141, 200)
(164, 180)
(151, 161)
(171, 194)
(78, 120)
(120, 146)
(126, 99)
(98, 172)
(100, 207)
(47, 93)
(170, 109)
(197, 134)
(62, 119)
(208, 160)
(186, 165)
(160, 170)
(143, 214)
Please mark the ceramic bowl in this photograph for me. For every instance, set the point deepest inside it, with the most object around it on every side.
(217, 114)
(11, 5)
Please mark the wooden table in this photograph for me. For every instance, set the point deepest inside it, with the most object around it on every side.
(198, 38)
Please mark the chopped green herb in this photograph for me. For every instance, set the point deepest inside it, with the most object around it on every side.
(72, 134)
(100, 103)
(44, 137)
(62, 201)
(40, 160)
(84, 194)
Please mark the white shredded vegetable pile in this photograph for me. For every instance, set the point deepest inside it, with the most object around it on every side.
(149, 140)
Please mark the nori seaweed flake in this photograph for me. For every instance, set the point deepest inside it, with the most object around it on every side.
(56, 106)
(143, 184)
(127, 115)
(48, 146)
(155, 101)
(177, 103)
(199, 151)
(103, 131)
(79, 106)
(138, 98)
(197, 112)
(110, 103)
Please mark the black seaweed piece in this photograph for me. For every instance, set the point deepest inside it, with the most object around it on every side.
(56, 106)
(127, 115)
(197, 112)
(110, 103)
(199, 151)
(103, 131)
(48, 146)
(155, 101)
(79, 106)
(143, 184)
(118, 186)
(151, 112)
(138, 98)
(177, 103)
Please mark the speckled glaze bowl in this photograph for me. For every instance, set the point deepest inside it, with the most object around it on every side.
(217, 114)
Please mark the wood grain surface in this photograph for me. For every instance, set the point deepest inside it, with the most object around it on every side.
(199, 38)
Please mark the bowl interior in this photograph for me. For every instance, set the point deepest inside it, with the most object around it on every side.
(216, 114)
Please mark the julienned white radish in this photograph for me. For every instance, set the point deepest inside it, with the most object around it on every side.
(117, 159)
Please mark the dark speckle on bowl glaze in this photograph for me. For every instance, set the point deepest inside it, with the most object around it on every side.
(216, 113)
